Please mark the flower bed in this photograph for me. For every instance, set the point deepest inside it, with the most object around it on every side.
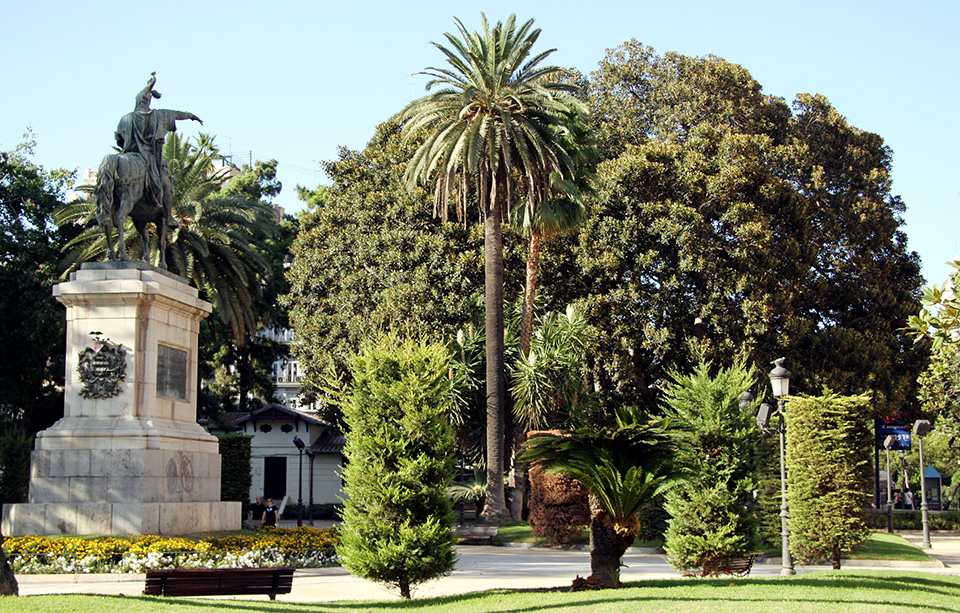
(300, 548)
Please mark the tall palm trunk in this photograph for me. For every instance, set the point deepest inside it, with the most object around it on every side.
(530, 291)
(495, 509)
(518, 473)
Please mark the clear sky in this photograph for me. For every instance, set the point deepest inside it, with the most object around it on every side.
(295, 80)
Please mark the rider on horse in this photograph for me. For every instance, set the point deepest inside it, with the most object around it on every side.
(143, 132)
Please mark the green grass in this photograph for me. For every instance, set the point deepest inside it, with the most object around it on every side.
(828, 591)
(885, 546)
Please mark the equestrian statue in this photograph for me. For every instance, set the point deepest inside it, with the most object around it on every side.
(136, 182)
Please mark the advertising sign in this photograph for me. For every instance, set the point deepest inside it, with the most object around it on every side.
(900, 433)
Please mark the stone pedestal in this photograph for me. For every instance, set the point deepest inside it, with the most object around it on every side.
(135, 462)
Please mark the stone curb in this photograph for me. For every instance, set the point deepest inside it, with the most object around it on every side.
(844, 563)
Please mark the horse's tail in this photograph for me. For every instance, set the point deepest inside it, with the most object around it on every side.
(106, 177)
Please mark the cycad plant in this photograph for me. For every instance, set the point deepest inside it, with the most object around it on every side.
(493, 125)
(623, 468)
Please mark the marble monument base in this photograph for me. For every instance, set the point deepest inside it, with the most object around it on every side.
(119, 518)
(128, 457)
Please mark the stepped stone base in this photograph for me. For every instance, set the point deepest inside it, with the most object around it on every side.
(119, 518)
(134, 461)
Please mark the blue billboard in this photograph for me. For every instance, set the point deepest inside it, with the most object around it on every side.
(887, 427)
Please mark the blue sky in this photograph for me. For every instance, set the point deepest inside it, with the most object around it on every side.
(295, 80)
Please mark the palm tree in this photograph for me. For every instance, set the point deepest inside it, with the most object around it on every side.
(493, 123)
(563, 212)
(623, 469)
(214, 247)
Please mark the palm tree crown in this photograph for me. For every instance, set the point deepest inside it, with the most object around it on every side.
(496, 112)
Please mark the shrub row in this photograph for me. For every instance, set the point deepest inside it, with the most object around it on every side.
(913, 520)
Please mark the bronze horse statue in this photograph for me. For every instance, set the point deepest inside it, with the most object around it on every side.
(136, 182)
(120, 191)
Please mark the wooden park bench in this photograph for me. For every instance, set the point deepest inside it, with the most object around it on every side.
(739, 567)
(219, 582)
(476, 533)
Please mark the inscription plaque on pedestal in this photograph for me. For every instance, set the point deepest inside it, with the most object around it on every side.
(171, 372)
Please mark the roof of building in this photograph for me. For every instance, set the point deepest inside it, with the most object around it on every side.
(330, 441)
(272, 412)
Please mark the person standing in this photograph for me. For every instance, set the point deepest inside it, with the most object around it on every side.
(256, 513)
(908, 499)
(270, 514)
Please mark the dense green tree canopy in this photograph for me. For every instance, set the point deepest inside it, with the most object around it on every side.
(371, 256)
(772, 224)
(32, 368)
(400, 459)
(776, 228)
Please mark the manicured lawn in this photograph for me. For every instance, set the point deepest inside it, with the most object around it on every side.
(886, 546)
(828, 591)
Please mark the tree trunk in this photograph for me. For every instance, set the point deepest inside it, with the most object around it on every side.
(404, 586)
(836, 558)
(495, 508)
(518, 472)
(530, 290)
(8, 582)
(607, 547)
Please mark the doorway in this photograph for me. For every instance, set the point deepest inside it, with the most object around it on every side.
(275, 478)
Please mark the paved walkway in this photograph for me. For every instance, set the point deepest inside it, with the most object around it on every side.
(480, 568)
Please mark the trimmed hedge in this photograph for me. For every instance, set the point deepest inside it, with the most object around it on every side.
(235, 477)
(913, 520)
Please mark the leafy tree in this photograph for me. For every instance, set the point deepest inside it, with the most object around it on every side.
(258, 183)
(32, 369)
(400, 460)
(624, 468)
(711, 515)
(494, 122)
(370, 257)
(828, 468)
(8, 581)
(938, 324)
(939, 316)
(775, 227)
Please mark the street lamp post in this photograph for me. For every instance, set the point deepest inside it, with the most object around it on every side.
(310, 455)
(780, 382)
(300, 448)
(920, 429)
(888, 443)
